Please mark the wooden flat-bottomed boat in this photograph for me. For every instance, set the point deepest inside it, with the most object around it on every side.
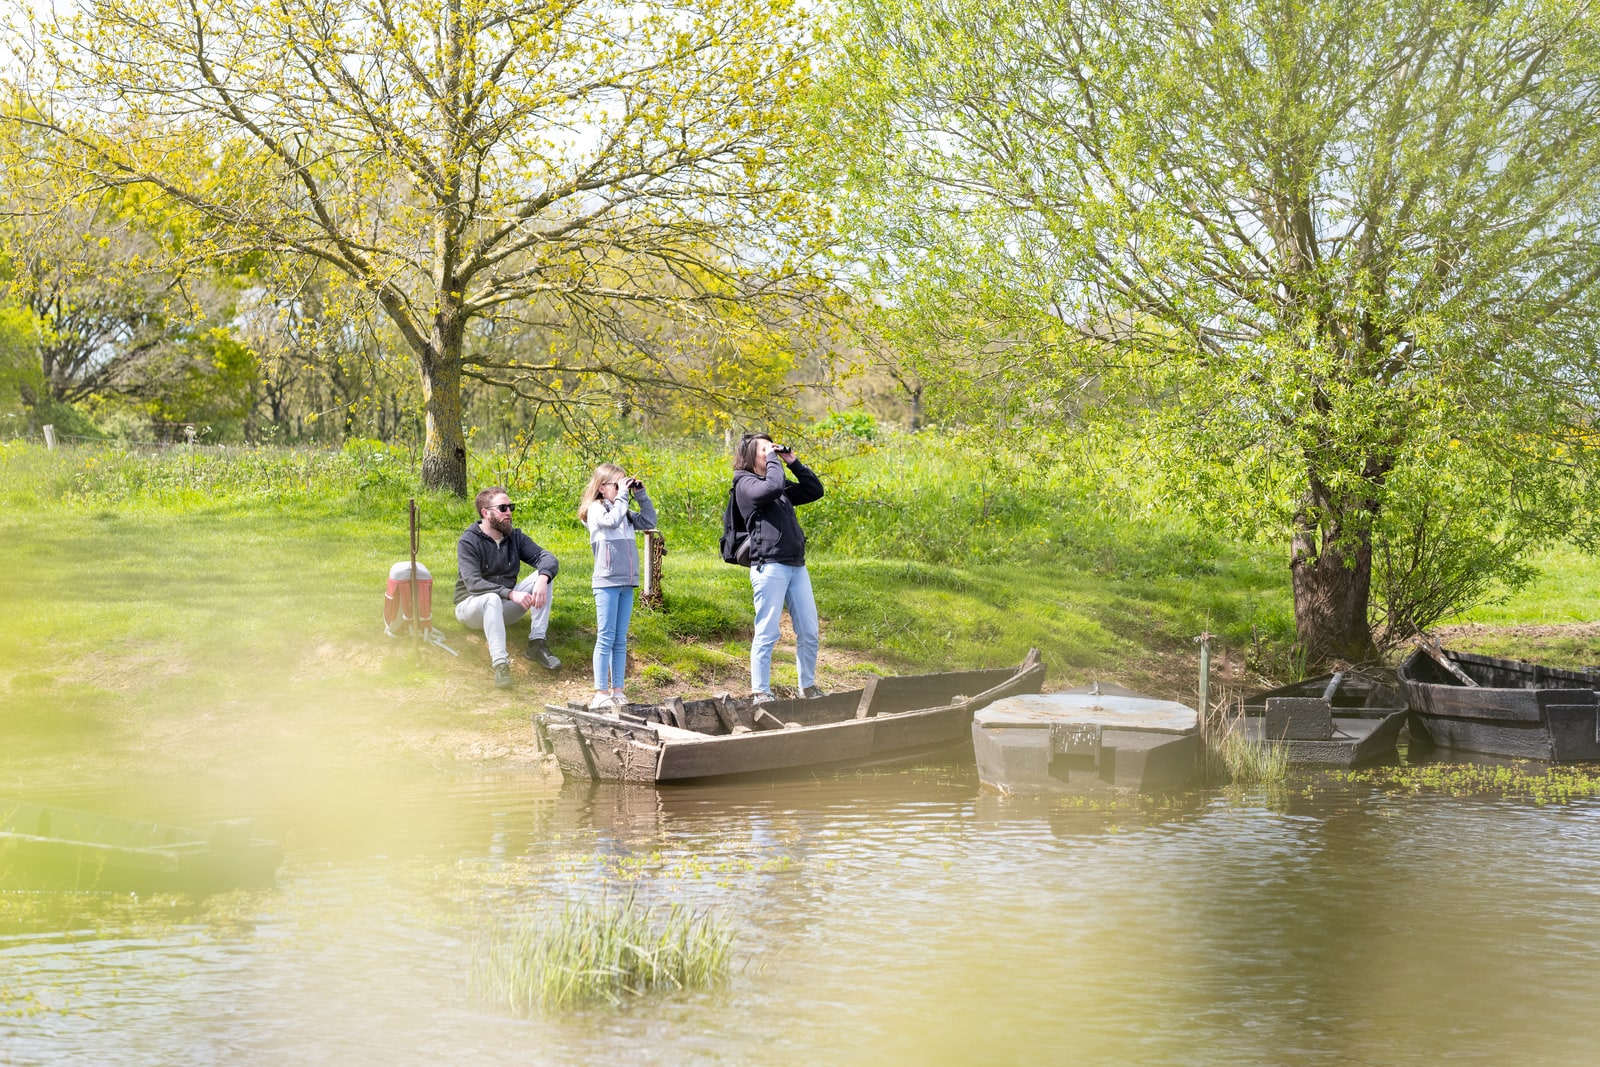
(1335, 720)
(892, 719)
(1086, 740)
(47, 847)
(1501, 707)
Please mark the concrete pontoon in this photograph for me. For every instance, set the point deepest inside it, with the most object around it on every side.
(1087, 739)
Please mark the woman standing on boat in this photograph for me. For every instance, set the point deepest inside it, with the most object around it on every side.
(766, 501)
(604, 510)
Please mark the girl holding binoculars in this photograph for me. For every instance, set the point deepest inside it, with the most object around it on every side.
(604, 510)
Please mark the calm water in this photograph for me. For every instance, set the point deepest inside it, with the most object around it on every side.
(903, 919)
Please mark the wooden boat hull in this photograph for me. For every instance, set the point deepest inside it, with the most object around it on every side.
(1335, 720)
(892, 720)
(1086, 740)
(1353, 742)
(1516, 709)
(46, 847)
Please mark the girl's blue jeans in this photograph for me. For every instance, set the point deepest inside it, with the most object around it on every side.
(613, 608)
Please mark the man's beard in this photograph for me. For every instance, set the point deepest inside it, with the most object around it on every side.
(501, 522)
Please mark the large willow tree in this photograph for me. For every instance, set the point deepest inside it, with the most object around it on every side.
(608, 175)
(1333, 261)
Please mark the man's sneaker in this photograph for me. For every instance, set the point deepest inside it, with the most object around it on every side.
(537, 652)
(758, 699)
(601, 702)
(502, 676)
(811, 692)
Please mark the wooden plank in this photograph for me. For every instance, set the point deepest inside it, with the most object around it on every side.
(894, 695)
(729, 714)
(675, 709)
(765, 720)
(864, 705)
(1333, 686)
(774, 750)
(1436, 654)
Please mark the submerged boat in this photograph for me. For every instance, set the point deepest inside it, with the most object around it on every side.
(1502, 707)
(1086, 739)
(1335, 720)
(46, 847)
(892, 719)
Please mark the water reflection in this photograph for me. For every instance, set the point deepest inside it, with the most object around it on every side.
(902, 918)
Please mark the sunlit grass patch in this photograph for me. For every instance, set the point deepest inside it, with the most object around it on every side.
(1228, 756)
(1547, 785)
(600, 953)
(1253, 762)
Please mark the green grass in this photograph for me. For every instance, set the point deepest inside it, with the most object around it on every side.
(601, 953)
(1567, 590)
(1229, 757)
(197, 608)
(1252, 762)
(214, 605)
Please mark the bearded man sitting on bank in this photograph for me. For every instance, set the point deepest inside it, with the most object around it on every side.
(489, 557)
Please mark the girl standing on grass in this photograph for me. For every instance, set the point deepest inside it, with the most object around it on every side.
(604, 510)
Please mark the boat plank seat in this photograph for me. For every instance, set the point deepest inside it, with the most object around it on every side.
(1298, 719)
(674, 733)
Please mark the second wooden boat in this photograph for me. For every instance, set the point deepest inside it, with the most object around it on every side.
(1335, 720)
(1502, 707)
(892, 719)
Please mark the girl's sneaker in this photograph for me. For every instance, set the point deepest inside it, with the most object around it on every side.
(601, 702)
(618, 700)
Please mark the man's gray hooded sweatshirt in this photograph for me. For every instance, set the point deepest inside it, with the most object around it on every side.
(484, 566)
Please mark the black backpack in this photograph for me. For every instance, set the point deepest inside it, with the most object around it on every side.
(735, 537)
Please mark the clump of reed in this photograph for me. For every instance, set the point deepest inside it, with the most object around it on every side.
(1228, 756)
(600, 952)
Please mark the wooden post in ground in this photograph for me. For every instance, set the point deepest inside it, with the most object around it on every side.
(49, 438)
(650, 577)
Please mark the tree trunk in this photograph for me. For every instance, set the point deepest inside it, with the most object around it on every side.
(444, 446)
(1332, 582)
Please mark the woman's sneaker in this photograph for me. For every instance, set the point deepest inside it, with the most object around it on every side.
(601, 702)
(811, 692)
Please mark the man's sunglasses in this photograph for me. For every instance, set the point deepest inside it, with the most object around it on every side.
(504, 509)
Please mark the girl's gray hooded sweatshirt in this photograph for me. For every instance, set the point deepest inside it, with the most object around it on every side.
(611, 535)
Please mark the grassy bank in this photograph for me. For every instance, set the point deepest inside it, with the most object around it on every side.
(206, 607)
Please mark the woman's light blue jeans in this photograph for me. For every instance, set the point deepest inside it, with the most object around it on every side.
(778, 586)
(613, 608)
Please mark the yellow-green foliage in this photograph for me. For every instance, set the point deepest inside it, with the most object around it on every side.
(1536, 782)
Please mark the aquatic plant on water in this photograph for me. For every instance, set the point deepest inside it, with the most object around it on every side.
(1550, 785)
(601, 952)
